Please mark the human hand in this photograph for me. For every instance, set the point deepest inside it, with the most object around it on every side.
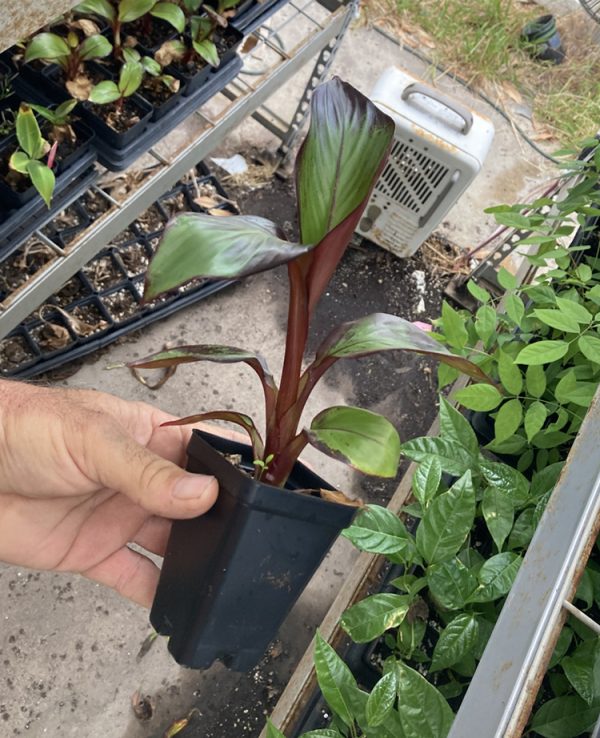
(84, 473)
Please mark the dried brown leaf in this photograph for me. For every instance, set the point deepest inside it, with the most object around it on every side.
(511, 91)
(168, 53)
(220, 213)
(207, 202)
(339, 497)
(88, 27)
(80, 87)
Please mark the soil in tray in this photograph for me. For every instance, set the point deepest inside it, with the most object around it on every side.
(150, 220)
(95, 204)
(119, 117)
(150, 35)
(14, 352)
(127, 235)
(24, 263)
(69, 218)
(73, 290)
(120, 305)
(135, 259)
(102, 273)
(155, 91)
(175, 203)
(88, 320)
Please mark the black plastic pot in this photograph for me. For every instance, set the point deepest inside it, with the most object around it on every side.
(85, 139)
(251, 14)
(230, 577)
(543, 40)
(112, 137)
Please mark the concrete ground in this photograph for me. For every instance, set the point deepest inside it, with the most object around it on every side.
(68, 647)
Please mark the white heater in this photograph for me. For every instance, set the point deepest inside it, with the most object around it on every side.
(439, 147)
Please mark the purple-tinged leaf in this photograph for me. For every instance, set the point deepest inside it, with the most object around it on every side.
(244, 421)
(363, 439)
(198, 245)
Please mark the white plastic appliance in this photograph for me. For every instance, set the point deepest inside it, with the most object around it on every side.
(439, 147)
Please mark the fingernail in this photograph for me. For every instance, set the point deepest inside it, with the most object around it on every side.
(191, 487)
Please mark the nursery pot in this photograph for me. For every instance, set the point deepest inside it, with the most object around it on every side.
(230, 577)
(543, 39)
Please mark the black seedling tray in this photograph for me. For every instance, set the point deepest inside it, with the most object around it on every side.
(107, 291)
(253, 14)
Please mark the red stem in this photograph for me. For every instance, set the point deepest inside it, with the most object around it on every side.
(282, 465)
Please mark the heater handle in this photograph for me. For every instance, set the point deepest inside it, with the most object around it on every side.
(460, 110)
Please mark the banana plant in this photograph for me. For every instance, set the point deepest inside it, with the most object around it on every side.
(336, 168)
(130, 78)
(69, 52)
(28, 159)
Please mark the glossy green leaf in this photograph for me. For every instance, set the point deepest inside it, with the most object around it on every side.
(104, 93)
(505, 278)
(424, 713)
(509, 373)
(361, 438)
(130, 78)
(454, 327)
(95, 47)
(381, 700)
(19, 161)
(499, 513)
(508, 419)
(43, 180)
(198, 245)
(321, 733)
(171, 13)
(335, 680)
(103, 8)
(562, 646)
(454, 458)
(582, 669)
(47, 46)
(514, 308)
(455, 427)
(130, 10)
(569, 390)
(455, 642)
(377, 530)
(479, 397)
(478, 292)
(496, 577)
(589, 345)
(272, 731)
(383, 332)
(557, 319)
(207, 50)
(426, 480)
(564, 717)
(373, 615)
(542, 352)
(535, 380)
(447, 521)
(411, 631)
(534, 420)
(451, 583)
(28, 132)
(485, 322)
(574, 310)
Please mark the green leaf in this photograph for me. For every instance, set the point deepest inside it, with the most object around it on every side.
(426, 480)
(451, 583)
(523, 529)
(447, 521)
(557, 319)
(104, 93)
(95, 47)
(479, 397)
(130, 78)
(19, 161)
(335, 680)
(363, 439)
(506, 279)
(377, 530)
(478, 292)
(456, 641)
(574, 310)
(130, 10)
(535, 380)
(199, 245)
(564, 717)
(496, 577)
(42, 178)
(321, 733)
(542, 352)
(509, 373)
(170, 13)
(272, 731)
(207, 50)
(508, 419)
(582, 669)
(455, 427)
(46, 46)
(381, 700)
(454, 327)
(589, 345)
(424, 713)
(28, 132)
(535, 417)
(485, 322)
(103, 8)
(383, 332)
(454, 458)
(499, 513)
(562, 646)
(371, 617)
(514, 308)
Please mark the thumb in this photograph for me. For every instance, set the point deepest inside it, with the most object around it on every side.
(118, 462)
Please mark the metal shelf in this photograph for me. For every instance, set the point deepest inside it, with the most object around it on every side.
(296, 34)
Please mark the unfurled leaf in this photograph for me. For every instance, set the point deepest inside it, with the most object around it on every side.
(451, 583)
(514, 308)
(574, 310)
(582, 669)
(479, 397)
(447, 521)
(589, 345)
(272, 731)
(507, 479)
(454, 327)
(535, 417)
(95, 47)
(335, 680)
(510, 374)
(542, 352)
(365, 440)
(130, 78)
(454, 458)
(523, 529)
(171, 13)
(498, 512)
(47, 46)
(564, 717)
(424, 713)
(19, 162)
(455, 427)
(207, 50)
(103, 8)
(505, 278)
(496, 577)
(229, 416)
(377, 530)
(535, 380)
(104, 93)
(198, 245)
(478, 292)
(43, 179)
(557, 319)
(485, 322)
(508, 419)
(373, 615)
(130, 10)
(456, 641)
(426, 480)
(28, 132)
(381, 700)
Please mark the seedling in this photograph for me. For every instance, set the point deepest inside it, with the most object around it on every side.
(108, 91)
(153, 68)
(70, 52)
(337, 166)
(28, 159)
(202, 31)
(60, 120)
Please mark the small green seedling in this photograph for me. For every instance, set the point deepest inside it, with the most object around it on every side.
(69, 53)
(130, 78)
(153, 68)
(203, 29)
(60, 119)
(33, 148)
